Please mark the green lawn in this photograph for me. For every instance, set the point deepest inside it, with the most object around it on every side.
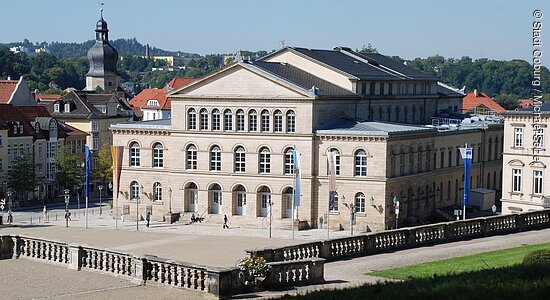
(476, 262)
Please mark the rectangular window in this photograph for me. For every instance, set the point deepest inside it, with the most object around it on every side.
(95, 142)
(538, 138)
(334, 206)
(265, 122)
(240, 121)
(240, 161)
(228, 121)
(537, 182)
(191, 158)
(516, 180)
(95, 126)
(518, 137)
(450, 158)
(363, 88)
(216, 122)
(278, 126)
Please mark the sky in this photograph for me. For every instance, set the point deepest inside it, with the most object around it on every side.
(476, 28)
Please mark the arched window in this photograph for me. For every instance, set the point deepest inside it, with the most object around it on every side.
(134, 190)
(227, 120)
(239, 194)
(216, 199)
(360, 202)
(289, 162)
(158, 156)
(337, 165)
(278, 121)
(216, 120)
(191, 157)
(191, 119)
(240, 120)
(215, 159)
(265, 161)
(240, 159)
(252, 121)
(334, 205)
(204, 119)
(264, 199)
(192, 197)
(290, 121)
(265, 121)
(360, 163)
(135, 158)
(157, 191)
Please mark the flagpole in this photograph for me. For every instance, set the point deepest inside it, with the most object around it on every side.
(116, 212)
(86, 211)
(293, 199)
(465, 189)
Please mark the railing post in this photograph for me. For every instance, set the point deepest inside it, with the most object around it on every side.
(318, 266)
(520, 221)
(222, 283)
(16, 246)
(75, 257)
(324, 250)
(6, 247)
(140, 269)
(483, 225)
(369, 243)
(410, 238)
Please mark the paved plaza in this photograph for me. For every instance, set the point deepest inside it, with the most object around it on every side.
(203, 244)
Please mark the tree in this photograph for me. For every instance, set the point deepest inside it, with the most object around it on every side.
(368, 48)
(509, 102)
(70, 169)
(103, 169)
(21, 175)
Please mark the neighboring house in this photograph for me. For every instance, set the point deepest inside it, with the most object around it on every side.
(524, 103)
(478, 103)
(526, 181)
(227, 148)
(4, 158)
(20, 136)
(153, 103)
(15, 92)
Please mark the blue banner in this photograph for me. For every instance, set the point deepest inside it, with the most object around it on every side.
(88, 171)
(297, 177)
(467, 159)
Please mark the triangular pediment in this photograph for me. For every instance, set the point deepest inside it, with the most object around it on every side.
(241, 81)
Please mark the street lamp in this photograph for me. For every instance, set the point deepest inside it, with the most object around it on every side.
(9, 207)
(170, 204)
(351, 208)
(396, 208)
(137, 206)
(270, 215)
(100, 187)
(67, 197)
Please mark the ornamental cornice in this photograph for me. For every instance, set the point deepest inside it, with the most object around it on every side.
(142, 132)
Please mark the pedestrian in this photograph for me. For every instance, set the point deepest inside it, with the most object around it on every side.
(225, 222)
(148, 218)
(45, 212)
(69, 216)
(122, 216)
(10, 216)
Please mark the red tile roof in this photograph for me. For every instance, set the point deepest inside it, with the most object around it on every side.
(7, 87)
(141, 99)
(180, 81)
(524, 103)
(47, 97)
(472, 100)
(10, 114)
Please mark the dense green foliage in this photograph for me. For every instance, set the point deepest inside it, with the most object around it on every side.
(21, 176)
(71, 169)
(516, 282)
(537, 257)
(476, 262)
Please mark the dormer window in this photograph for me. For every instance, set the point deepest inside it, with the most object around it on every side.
(67, 107)
(20, 128)
(56, 107)
(152, 103)
(37, 127)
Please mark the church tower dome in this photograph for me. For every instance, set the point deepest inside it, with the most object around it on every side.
(102, 58)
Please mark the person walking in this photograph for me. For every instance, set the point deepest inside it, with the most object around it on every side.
(225, 222)
(45, 213)
(10, 216)
(148, 218)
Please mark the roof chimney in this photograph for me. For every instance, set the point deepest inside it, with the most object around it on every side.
(9, 77)
(475, 93)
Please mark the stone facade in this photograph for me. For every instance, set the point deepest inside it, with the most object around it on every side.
(230, 136)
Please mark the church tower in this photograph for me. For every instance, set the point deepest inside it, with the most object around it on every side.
(102, 58)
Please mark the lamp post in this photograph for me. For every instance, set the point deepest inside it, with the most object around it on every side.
(396, 207)
(170, 204)
(10, 193)
(100, 187)
(351, 208)
(137, 206)
(270, 215)
(67, 197)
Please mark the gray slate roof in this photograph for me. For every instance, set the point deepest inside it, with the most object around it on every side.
(378, 67)
(358, 127)
(303, 79)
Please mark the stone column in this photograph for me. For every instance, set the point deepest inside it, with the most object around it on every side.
(140, 269)
(75, 257)
(6, 247)
(318, 270)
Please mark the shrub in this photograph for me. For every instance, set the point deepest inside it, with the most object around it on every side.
(254, 266)
(537, 257)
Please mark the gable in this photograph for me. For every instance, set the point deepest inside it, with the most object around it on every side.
(241, 82)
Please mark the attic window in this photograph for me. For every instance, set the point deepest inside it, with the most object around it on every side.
(20, 128)
(152, 103)
(67, 107)
(37, 127)
(56, 107)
